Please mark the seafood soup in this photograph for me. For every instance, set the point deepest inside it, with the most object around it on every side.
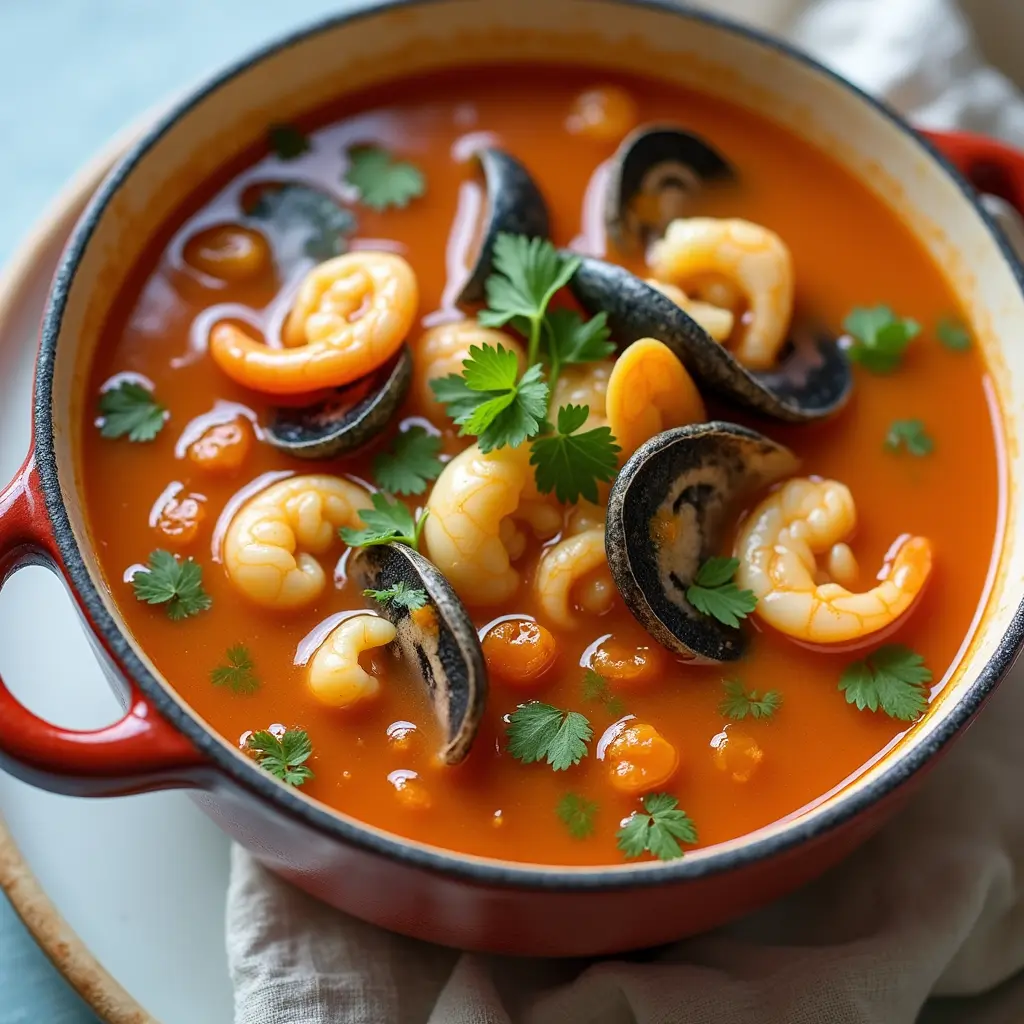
(545, 465)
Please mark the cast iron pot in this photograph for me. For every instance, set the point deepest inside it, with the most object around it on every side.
(406, 886)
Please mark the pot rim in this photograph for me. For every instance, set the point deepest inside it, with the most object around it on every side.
(244, 773)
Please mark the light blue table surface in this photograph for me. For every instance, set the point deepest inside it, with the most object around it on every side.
(72, 72)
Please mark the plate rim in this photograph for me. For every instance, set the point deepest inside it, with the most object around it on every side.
(61, 944)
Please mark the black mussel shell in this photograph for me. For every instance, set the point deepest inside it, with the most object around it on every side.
(443, 646)
(654, 174)
(813, 380)
(303, 222)
(514, 205)
(350, 417)
(668, 512)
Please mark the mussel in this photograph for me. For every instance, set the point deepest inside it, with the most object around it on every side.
(303, 222)
(438, 640)
(654, 174)
(668, 512)
(514, 205)
(812, 380)
(348, 418)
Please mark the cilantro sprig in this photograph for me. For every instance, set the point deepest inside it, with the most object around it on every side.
(285, 756)
(287, 141)
(953, 334)
(540, 732)
(410, 463)
(238, 673)
(169, 581)
(909, 435)
(596, 689)
(739, 702)
(401, 595)
(386, 522)
(714, 593)
(131, 409)
(660, 831)
(381, 180)
(880, 337)
(893, 679)
(571, 463)
(577, 814)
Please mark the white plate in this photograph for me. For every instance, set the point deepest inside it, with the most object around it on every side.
(141, 880)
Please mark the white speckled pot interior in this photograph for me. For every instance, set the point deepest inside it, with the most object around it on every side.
(405, 38)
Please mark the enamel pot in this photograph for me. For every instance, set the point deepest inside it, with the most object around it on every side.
(409, 887)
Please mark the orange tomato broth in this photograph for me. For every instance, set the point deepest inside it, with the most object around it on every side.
(849, 250)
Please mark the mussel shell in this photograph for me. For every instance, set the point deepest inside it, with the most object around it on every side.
(448, 658)
(812, 381)
(514, 205)
(303, 222)
(349, 418)
(668, 512)
(665, 163)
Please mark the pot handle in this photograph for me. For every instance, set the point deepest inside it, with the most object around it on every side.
(141, 752)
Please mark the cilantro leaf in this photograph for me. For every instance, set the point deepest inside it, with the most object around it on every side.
(401, 595)
(658, 832)
(714, 593)
(571, 339)
(595, 688)
(739, 702)
(305, 221)
(381, 180)
(283, 757)
(131, 409)
(387, 521)
(577, 815)
(953, 334)
(538, 732)
(411, 462)
(488, 402)
(909, 434)
(892, 679)
(177, 584)
(287, 142)
(880, 338)
(238, 673)
(571, 464)
(527, 273)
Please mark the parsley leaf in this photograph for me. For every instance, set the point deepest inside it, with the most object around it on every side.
(528, 272)
(659, 831)
(305, 220)
(909, 434)
(179, 585)
(381, 180)
(739, 702)
(879, 337)
(287, 142)
(284, 758)
(538, 732)
(571, 339)
(571, 464)
(387, 521)
(892, 679)
(131, 409)
(410, 463)
(489, 402)
(595, 688)
(401, 595)
(577, 815)
(714, 593)
(953, 334)
(238, 672)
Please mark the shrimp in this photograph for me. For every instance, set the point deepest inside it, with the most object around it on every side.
(442, 350)
(270, 543)
(716, 320)
(748, 255)
(351, 315)
(465, 535)
(561, 569)
(649, 391)
(335, 676)
(585, 384)
(777, 546)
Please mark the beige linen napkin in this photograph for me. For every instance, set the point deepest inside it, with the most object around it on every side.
(931, 907)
